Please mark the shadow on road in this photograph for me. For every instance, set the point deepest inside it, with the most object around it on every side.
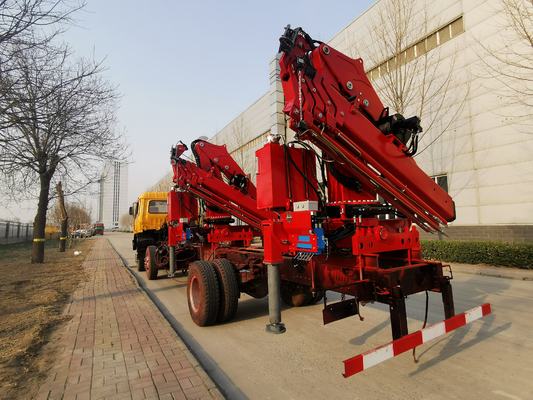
(360, 340)
(455, 342)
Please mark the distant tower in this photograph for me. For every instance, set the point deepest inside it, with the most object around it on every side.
(113, 194)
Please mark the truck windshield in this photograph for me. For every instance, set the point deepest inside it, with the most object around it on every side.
(157, 207)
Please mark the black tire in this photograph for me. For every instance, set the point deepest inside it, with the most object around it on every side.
(140, 261)
(203, 293)
(149, 263)
(228, 289)
(294, 294)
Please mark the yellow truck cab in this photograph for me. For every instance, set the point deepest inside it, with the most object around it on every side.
(150, 223)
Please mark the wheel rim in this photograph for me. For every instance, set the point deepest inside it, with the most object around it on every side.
(147, 263)
(194, 294)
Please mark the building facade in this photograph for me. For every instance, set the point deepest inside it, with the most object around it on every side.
(476, 138)
(462, 61)
(113, 195)
(463, 68)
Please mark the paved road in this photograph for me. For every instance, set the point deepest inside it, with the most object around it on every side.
(487, 359)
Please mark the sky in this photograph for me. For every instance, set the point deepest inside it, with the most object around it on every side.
(188, 68)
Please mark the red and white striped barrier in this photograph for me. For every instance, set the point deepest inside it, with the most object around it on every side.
(379, 354)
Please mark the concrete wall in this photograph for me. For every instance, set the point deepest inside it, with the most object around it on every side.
(484, 233)
(14, 232)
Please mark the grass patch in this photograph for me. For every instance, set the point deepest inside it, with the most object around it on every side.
(32, 298)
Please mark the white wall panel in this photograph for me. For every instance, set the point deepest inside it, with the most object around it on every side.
(504, 194)
(515, 173)
(505, 154)
(507, 214)
(462, 180)
(466, 215)
(464, 197)
(451, 164)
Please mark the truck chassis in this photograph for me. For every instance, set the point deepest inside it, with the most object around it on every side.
(354, 231)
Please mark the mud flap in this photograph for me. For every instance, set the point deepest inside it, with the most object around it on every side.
(342, 309)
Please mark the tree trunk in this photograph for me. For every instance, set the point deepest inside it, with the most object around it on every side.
(64, 218)
(39, 225)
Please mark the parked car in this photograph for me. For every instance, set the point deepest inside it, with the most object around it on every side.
(76, 233)
(81, 233)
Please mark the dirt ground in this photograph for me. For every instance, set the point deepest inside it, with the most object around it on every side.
(32, 299)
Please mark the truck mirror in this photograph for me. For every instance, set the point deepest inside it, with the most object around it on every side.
(131, 211)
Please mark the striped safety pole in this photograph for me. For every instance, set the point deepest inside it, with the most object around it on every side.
(382, 353)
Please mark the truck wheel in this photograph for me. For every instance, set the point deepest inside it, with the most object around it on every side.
(140, 261)
(203, 293)
(149, 263)
(228, 288)
(317, 296)
(294, 294)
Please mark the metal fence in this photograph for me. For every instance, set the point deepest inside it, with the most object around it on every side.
(12, 232)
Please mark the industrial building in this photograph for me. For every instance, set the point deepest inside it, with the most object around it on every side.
(457, 65)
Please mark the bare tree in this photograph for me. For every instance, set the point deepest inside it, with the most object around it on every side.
(58, 120)
(77, 214)
(126, 222)
(64, 217)
(408, 69)
(237, 141)
(31, 23)
(19, 17)
(163, 185)
(510, 59)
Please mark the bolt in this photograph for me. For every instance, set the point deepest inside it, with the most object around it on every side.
(303, 80)
(296, 112)
(342, 113)
(300, 45)
(201, 144)
(325, 49)
(320, 115)
(329, 103)
(366, 103)
(314, 90)
(216, 159)
(227, 167)
(349, 85)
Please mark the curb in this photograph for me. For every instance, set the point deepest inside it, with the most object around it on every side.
(211, 387)
(492, 275)
(518, 274)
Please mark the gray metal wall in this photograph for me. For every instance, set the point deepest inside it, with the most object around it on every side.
(13, 232)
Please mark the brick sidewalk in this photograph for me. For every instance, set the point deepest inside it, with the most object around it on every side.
(118, 346)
